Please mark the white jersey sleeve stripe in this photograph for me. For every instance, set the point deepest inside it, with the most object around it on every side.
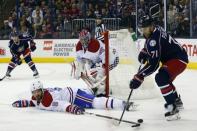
(71, 94)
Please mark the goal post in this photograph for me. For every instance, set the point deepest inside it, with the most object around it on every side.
(106, 41)
(117, 80)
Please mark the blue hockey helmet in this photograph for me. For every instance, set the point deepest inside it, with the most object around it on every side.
(145, 21)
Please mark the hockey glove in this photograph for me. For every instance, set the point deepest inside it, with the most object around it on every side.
(143, 56)
(32, 46)
(75, 109)
(21, 103)
(136, 81)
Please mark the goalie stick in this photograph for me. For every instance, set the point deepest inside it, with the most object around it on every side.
(120, 120)
(90, 83)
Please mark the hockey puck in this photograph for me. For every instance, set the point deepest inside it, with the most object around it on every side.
(140, 120)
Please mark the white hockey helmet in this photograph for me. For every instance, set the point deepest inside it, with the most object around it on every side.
(36, 85)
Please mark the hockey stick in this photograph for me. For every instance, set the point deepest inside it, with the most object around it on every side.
(120, 120)
(3, 78)
(91, 84)
(135, 124)
(88, 83)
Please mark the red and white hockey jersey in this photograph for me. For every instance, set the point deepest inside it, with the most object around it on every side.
(56, 99)
(95, 52)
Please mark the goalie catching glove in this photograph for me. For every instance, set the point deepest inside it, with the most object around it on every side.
(136, 81)
(75, 109)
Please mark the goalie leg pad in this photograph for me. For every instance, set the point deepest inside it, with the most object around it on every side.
(84, 99)
(77, 68)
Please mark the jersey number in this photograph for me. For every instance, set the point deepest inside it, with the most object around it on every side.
(154, 53)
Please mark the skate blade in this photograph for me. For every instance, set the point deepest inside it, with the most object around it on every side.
(173, 117)
(133, 107)
(36, 76)
(180, 108)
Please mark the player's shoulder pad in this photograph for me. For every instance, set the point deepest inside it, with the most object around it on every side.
(151, 45)
(79, 46)
(10, 44)
(47, 99)
(94, 45)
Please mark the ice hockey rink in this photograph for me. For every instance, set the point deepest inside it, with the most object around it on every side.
(31, 119)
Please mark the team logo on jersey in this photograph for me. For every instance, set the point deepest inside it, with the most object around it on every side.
(21, 49)
(152, 43)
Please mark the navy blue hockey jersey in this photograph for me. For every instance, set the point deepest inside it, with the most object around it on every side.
(161, 47)
(17, 49)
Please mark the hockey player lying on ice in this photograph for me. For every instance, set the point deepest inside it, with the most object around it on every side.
(69, 99)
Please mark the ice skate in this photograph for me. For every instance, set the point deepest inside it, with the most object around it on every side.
(36, 74)
(172, 113)
(8, 76)
(179, 103)
(131, 106)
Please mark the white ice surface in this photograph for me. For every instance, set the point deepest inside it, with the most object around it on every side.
(31, 119)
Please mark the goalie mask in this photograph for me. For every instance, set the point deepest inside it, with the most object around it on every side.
(84, 37)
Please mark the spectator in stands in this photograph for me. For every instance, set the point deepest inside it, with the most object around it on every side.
(182, 29)
(195, 26)
(104, 13)
(5, 30)
(96, 11)
(37, 19)
(89, 14)
(44, 33)
(10, 22)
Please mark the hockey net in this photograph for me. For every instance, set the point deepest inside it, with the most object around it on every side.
(117, 81)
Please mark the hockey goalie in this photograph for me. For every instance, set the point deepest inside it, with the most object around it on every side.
(90, 62)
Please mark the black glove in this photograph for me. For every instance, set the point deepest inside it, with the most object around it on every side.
(32, 46)
(143, 56)
(136, 81)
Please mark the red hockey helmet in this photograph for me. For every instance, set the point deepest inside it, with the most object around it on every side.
(84, 37)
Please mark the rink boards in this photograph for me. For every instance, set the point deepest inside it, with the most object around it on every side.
(63, 51)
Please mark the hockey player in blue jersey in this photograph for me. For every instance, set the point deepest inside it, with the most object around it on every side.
(21, 45)
(160, 47)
